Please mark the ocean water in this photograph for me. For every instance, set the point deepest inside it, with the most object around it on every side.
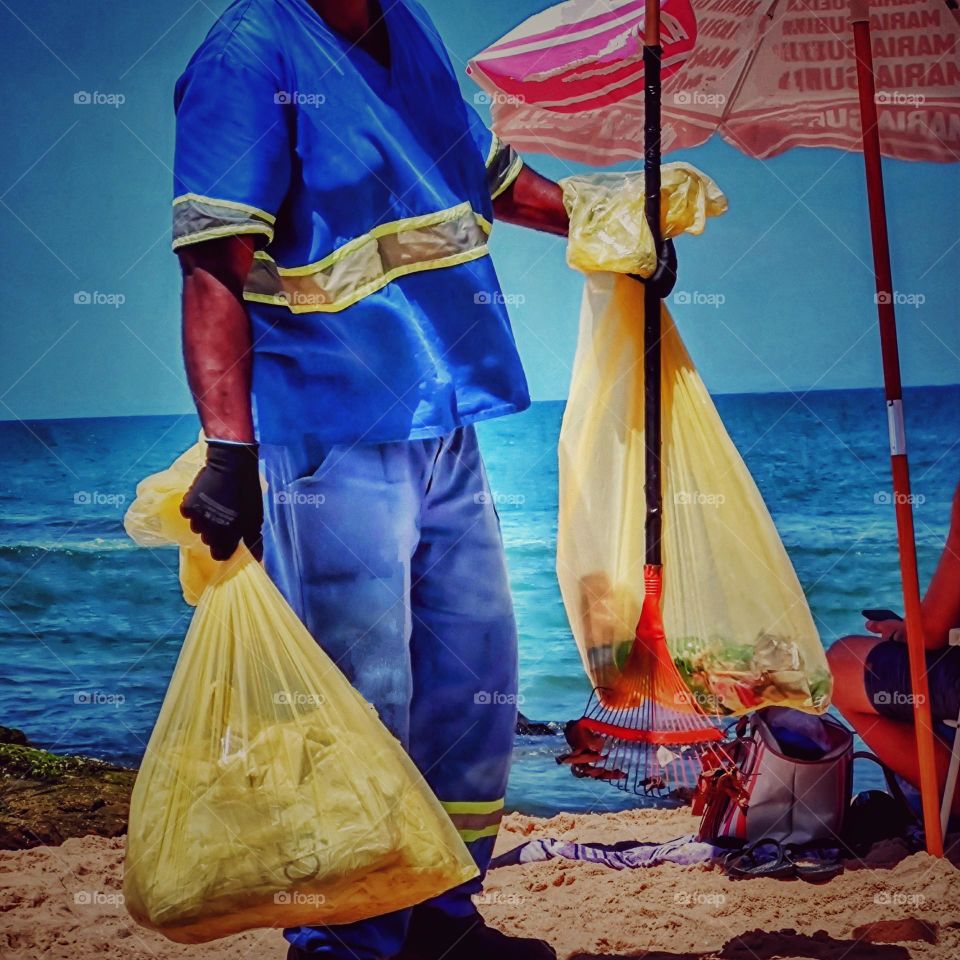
(90, 624)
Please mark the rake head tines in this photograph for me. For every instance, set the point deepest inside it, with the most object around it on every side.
(647, 733)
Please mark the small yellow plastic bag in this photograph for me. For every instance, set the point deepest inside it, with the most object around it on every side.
(154, 520)
(270, 793)
(608, 227)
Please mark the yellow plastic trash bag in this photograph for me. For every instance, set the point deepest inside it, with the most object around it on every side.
(270, 793)
(736, 619)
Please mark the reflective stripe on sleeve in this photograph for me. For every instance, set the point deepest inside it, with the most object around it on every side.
(503, 166)
(369, 262)
(197, 218)
(475, 819)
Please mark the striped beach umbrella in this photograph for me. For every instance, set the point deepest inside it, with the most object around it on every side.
(581, 56)
(767, 76)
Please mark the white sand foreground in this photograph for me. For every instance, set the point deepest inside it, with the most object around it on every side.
(64, 903)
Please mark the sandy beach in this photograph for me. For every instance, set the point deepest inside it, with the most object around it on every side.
(64, 902)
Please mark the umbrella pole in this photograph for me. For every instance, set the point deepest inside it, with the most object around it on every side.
(651, 302)
(903, 503)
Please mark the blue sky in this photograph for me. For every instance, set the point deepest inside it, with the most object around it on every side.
(85, 193)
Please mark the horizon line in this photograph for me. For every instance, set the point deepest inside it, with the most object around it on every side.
(878, 388)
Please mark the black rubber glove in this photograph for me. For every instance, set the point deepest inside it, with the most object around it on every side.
(664, 278)
(224, 503)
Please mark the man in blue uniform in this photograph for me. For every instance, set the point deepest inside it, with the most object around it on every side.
(343, 330)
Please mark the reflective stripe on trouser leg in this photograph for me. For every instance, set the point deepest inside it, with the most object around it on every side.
(464, 653)
(475, 820)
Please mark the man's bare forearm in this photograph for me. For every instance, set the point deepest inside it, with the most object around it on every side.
(533, 201)
(217, 341)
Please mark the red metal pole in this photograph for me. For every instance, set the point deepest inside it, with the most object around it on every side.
(903, 503)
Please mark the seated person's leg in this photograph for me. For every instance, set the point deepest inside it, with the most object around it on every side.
(872, 690)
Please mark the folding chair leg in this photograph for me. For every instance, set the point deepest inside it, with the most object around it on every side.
(950, 787)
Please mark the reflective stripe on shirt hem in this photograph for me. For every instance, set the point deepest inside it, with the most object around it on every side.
(197, 218)
(369, 262)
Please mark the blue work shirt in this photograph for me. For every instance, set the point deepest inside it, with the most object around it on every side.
(376, 312)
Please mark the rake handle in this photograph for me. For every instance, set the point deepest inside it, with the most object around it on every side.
(653, 487)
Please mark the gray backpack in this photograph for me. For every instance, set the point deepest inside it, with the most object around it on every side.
(790, 780)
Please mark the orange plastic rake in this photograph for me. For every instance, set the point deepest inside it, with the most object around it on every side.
(647, 733)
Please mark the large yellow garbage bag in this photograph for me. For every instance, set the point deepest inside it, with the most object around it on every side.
(737, 622)
(270, 793)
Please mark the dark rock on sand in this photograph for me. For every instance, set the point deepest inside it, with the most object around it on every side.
(537, 728)
(46, 797)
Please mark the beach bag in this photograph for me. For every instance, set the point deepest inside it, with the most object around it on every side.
(788, 778)
(736, 620)
(270, 794)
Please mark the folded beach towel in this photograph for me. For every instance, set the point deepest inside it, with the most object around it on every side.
(619, 856)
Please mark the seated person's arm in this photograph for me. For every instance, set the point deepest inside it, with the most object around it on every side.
(941, 603)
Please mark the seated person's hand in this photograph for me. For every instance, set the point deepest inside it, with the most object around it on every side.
(889, 629)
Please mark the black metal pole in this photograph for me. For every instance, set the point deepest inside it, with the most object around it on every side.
(653, 487)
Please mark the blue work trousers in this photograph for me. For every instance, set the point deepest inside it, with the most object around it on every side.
(391, 555)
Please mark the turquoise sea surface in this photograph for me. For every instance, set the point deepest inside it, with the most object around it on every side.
(90, 624)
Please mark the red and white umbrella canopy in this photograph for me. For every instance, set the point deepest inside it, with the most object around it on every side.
(581, 55)
(768, 75)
